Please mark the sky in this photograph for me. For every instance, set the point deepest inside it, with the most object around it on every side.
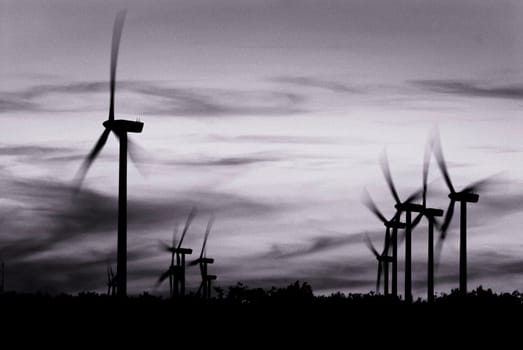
(270, 115)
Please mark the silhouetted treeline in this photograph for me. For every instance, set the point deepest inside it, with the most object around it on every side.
(241, 294)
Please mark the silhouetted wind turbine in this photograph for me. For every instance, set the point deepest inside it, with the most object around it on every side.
(176, 271)
(430, 214)
(395, 224)
(407, 207)
(120, 128)
(466, 195)
(203, 261)
(384, 260)
(111, 282)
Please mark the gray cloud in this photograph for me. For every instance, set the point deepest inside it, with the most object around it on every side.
(470, 89)
(226, 161)
(45, 227)
(310, 82)
(172, 101)
(316, 245)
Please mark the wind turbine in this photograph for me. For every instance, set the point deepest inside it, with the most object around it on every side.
(430, 214)
(203, 261)
(395, 224)
(111, 281)
(408, 207)
(383, 263)
(176, 271)
(120, 128)
(466, 195)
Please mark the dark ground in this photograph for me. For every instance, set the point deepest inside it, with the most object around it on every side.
(266, 316)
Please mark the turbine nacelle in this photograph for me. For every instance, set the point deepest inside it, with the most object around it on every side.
(122, 125)
(204, 261)
(394, 224)
(432, 212)
(411, 207)
(464, 197)
(186, 251)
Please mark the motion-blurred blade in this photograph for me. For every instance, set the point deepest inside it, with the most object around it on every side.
(163, 277)
(378, 280)
(80, 174)
(437, 253)
(190, 218)
(165, 247)
(415, 195)
(115, 46)
(384, 161)
(139, 156)
(416, 220)
(440, 159)
(386, 246)
(481, 185)
(448, 218)
(175, 234)
(371, 205)
(206, 236)
(194, 262)
(426, 164)
(371, 246)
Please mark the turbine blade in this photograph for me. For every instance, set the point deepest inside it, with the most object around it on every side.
(175, 234)
(415, 195)
(378, 280)
(371, 246)
(207, 231)
(194, 262)
(385, 168)
(448, 218)
(437, 253)
(426, 164)
(190, 218)
(115, 47)
(440, 159)
(163, 277)
(386, 245)
(165, 247)
(139, 156)
(482, 184)
(416, 220)
(371, 205)
(80, 174)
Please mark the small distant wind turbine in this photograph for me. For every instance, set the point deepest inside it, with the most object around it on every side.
(395, 224)
(120, 128)
(205, 287)
(111, 282)
(408, 207)
(176, 270)
(466, 195)
(383, 263)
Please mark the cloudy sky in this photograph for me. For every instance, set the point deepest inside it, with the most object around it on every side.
(269, 114)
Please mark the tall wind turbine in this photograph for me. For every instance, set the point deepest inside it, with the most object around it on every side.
(395, 224)
(466, 195)
(205, 287)
(120, 128)
(408, 207)
(430, 214)
(176, 271)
